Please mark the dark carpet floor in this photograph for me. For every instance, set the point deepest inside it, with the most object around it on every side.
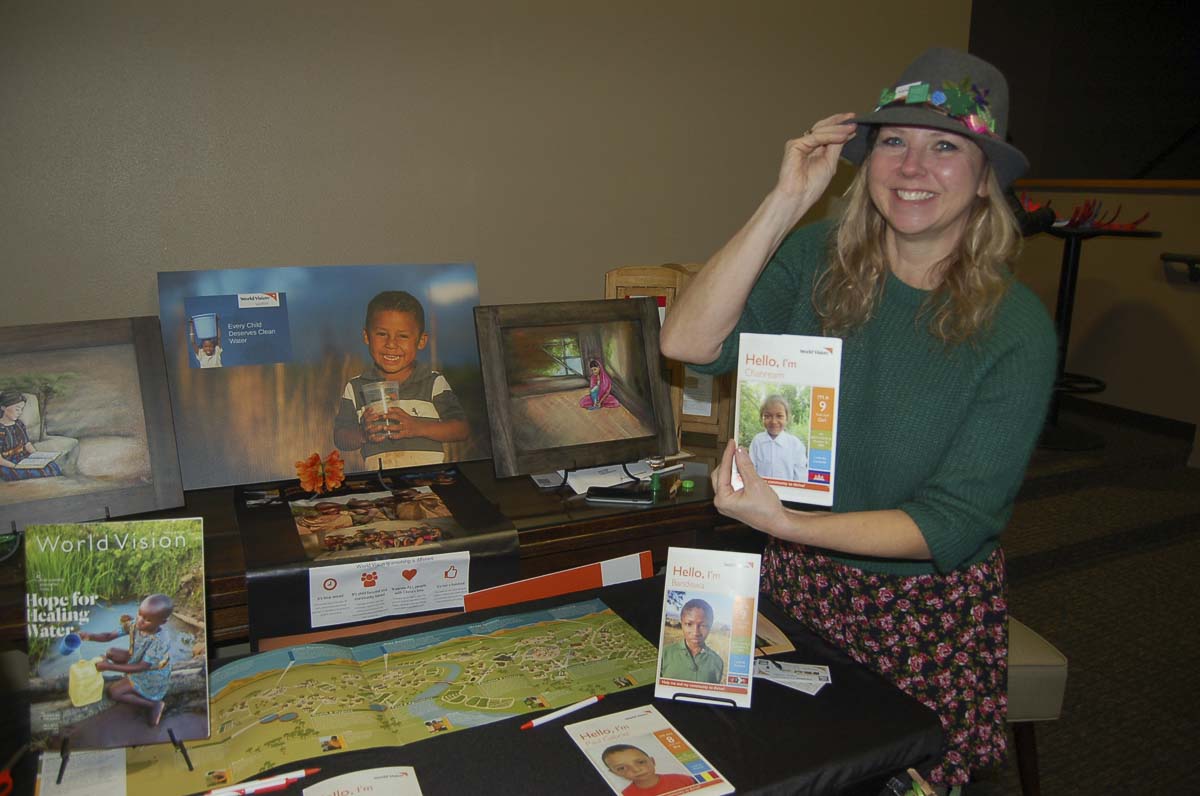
(1103, 552)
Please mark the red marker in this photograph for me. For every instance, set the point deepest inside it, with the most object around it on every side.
(540, 720)
(268, 785)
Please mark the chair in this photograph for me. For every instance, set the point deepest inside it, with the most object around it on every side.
(1037, 678)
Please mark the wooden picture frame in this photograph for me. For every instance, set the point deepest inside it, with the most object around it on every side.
(100, 399)
(690, 391)
(508, 332)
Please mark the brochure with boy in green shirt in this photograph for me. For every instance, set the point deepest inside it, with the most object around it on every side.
(710, 610)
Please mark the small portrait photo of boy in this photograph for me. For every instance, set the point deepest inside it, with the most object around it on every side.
(401, 412)
(644, 767)
(695, 637)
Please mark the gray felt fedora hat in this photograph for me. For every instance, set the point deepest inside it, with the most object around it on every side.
(948, 90)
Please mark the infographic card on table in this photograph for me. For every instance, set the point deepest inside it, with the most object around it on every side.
(707, 642)
(307, 701)
(787, 411)
(638, 751)
(115, 621)
(343, 593)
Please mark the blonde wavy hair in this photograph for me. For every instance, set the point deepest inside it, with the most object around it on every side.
(974, 277)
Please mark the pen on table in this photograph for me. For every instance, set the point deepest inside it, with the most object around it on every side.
(540, 720)
(268, 785)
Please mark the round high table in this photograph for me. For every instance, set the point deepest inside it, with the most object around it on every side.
(1056, 436)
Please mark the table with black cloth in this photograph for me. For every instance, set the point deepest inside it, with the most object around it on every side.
(849, 737)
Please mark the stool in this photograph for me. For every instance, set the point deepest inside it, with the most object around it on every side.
(1037, 678)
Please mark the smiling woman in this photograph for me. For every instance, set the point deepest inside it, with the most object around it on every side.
(924, 183)
(947, 372)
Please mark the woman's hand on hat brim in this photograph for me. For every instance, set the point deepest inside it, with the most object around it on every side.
(810, 161)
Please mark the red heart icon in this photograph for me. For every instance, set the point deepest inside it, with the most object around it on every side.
(409, 574)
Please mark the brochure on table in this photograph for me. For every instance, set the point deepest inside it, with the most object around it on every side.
(787, 411)
(638, 751)
(707, 642)
(389, 781)
(115, 621)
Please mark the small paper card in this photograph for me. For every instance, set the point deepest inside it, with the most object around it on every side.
(809, 678)
(710, 609)
(638, 751)
(608, 475)
(392, 780)
(786, 415)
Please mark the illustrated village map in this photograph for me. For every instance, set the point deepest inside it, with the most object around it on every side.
(302, 702)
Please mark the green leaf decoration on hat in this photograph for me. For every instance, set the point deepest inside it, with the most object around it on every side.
(959, 99)
(918, 94)
(886, 96)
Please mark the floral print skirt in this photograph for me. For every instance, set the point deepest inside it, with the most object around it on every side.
(941, 638)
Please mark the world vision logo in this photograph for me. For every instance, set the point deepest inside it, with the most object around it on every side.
(251, 300)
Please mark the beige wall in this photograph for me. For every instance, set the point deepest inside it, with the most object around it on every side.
(546, 141)
(1132, 326)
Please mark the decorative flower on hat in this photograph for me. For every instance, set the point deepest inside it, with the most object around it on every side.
(963, 101)
(321, 476)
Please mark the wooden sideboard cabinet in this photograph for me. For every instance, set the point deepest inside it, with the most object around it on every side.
(556, 529)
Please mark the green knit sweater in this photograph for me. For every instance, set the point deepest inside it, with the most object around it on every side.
(941, 433)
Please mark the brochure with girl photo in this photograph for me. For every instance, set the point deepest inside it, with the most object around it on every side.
(638, 752)
(710, 612)
(786, 413)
